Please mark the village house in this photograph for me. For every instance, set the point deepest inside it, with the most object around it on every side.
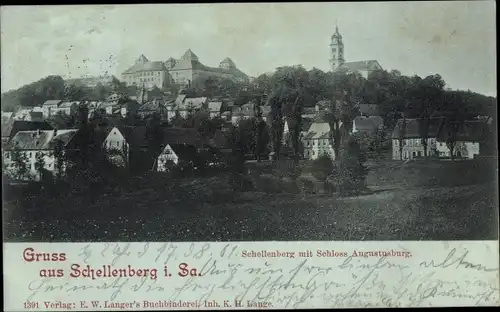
(408, 135)
(175, 154)
(37, 143)
(180, 146)
(467, 140)
(49, 107)
(12, 127)
(29, 115)
(67, 108)
(316, 141)
(152, 107)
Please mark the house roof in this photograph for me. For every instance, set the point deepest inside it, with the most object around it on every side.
(152, 105)
(469, 131)
(182, 136)
(194, 103)
(368, 65)
(319, 127)
(68, 104)
(412, 129)
(44, 140)
(368, 124)
(184, 151)
(13, 126)
(52, 102)
(369, 109)
(316, 135)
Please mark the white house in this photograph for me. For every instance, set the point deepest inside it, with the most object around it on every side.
(49, 108)
(68, 108)
(408, 134)
(467, 140)
(173, 154)
(32, 144)
(316, 141)
(117, 146)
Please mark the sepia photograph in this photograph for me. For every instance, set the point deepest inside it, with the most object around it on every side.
(254, 122)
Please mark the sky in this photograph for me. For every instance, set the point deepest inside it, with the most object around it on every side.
(454, 39)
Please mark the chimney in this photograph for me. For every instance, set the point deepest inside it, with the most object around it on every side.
(38, 132)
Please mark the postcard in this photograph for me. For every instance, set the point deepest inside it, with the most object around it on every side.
(249, 156)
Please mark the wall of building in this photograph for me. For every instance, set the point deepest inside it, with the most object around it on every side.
(413, 148)
(461, 149)
(48, 157)
(150, 79)
(313, 148)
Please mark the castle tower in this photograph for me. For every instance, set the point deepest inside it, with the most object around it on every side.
(336, 50)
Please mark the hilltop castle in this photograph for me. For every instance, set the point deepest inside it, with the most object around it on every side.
(184, 71)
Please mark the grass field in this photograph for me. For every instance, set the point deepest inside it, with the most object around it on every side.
(413, 201)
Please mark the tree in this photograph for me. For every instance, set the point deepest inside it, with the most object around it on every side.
(21, 163)
(349, 174)
(154, 136)
(402, 136)
(40, 164)
(321, 168)
(343, 107)
(59, 157)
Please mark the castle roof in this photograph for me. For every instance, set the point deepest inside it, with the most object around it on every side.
(143, 64)
(189, 56)
(228, 61)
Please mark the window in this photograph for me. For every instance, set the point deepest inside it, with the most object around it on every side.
(117, 143)
(7, 155)
(334, 50)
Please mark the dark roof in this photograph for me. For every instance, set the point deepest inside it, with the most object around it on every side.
(368, 124)
(185, 151)
(182, 136)
(412, 129)
(469, 131)
(10, 128)
(369, 109)
(368, 65)
(52, 102)
(43, 140)
(152, 106)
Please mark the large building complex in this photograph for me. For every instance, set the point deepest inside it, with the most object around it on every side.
(186, 70)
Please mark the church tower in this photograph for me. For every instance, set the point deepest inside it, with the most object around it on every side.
(336, 50)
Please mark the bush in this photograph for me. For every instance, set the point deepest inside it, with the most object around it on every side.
(349, 173)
